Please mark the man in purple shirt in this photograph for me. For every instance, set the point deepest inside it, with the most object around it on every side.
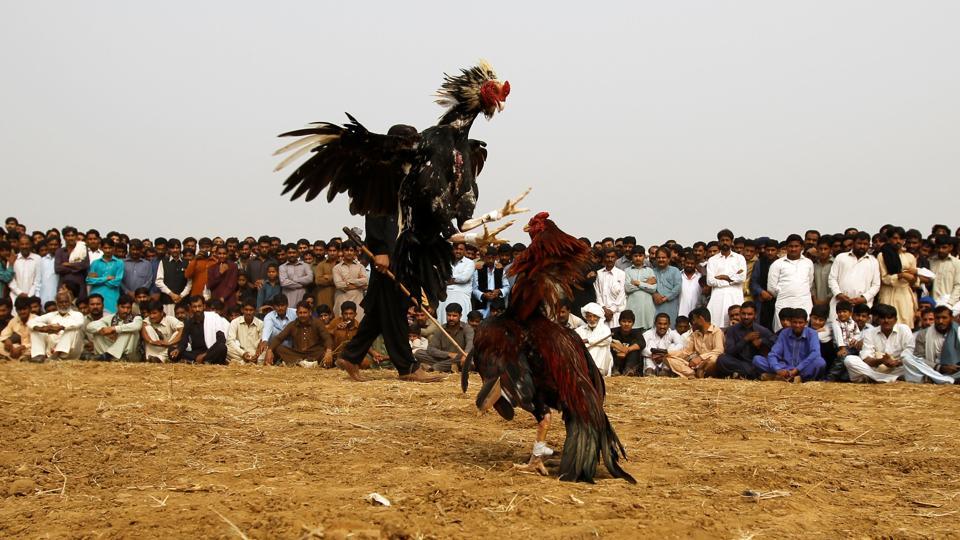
(795, 356)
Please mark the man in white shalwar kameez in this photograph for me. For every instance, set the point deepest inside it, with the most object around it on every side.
(726, 272)
(460, 286)
(854, 276)
(597, 337)
(610, 287)
(58, 334)
(791, 279)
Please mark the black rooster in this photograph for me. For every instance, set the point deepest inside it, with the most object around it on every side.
(429, 176)
(529, 361)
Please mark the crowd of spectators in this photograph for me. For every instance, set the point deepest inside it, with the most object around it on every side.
(840, 307)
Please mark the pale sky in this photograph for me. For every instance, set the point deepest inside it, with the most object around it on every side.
(657, 119)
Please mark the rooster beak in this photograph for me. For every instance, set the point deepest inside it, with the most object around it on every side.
(526, 228)
(500, 106)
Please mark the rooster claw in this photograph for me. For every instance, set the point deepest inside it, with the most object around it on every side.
(535, 465)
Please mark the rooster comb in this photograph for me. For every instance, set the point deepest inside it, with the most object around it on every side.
(464, 89)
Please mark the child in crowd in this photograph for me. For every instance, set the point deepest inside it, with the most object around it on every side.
(324, 313)
(828, 346)
(246, 292)
(271, 288)
(417, 343)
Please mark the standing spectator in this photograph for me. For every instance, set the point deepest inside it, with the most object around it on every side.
(161, 333)
(691, 292)
(58, 334)
(93, 242)
(350, 278)
(749, 253)
(658, 342)
(310, 341)
(855, 275)
(243, 258)
(49, 281)
(941, 345)
(26, 270)
(597, 337)
(791, 279)
(946, 284)
(269, 289)
(726, 272)
(15, 336)
(243, 336)
(197, 269)
(698, 358)
(105, 276)
(460, 286)
(171, 278)
(898, 273)
(295, 276)
(640, 286)
(669, 283)
(759, 280)
(246, 292)
(7, 259)
(137, 271)
(489, 282)
(11, 224)
(610, 288)
(887, 354)
(342, 328)
(222, 278)
(795, 357)
(323, 276)
(821, 272)
(626, 253)
(257, 267)
(741, 343)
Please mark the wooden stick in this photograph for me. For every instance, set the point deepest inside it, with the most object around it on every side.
(387, 272)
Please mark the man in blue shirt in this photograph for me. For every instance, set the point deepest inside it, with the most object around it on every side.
(796, 354)
(273, 323)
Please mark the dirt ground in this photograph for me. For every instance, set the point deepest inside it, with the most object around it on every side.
(94, 450)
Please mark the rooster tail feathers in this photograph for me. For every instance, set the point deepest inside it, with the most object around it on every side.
(586, 444)
(424, 266)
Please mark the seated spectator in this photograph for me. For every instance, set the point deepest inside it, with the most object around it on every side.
(887, 354)
(310, 341)
(742, 342)
(342, 329)
(474, 318)
(795, 357)
(733, 314)
(442, 354)
(497, 307)
(324, 313)
(15, 336)
(658, 342)
(925, 319)
(941, 344)
(204, 348)
(50, 307)
(818, 322)
(683, 329)
(57, 335)
(567, 319)
(698, 358)
(627, 346)
(275, 321)
(596, 337)
(243, 336)
(417, 343)
(117, 336)
(161, 333)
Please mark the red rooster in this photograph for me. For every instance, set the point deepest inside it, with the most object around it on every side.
(529, 361)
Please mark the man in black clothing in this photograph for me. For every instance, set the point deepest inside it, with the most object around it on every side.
(193, 335)
(743, 341)
(627, 346)
(765, 302)
(490, 283)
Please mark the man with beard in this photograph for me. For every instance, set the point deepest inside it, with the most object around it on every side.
(742, 342)
(726, 272)
(898, 274)
(888, 353)
(323, 276)
(58, 334)
(854, 276)
(669, 283)
(489, 282)
(691, 291)
(758, 283)
(15, 336)
(461, 282)
(115, 337)
(698, 358)
(791, 279)
(204, 348)
(941, 345)
(222, 278)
